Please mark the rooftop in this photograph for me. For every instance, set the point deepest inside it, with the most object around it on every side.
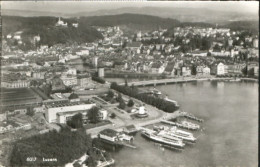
(109, 132)
(64, 104)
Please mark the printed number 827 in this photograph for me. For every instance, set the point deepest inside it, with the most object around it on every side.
(31, 159)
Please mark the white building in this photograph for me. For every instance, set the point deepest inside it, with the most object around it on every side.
(9, 36)
(17, 36)
(84, 80)
(37, 38)
(53, 113)
(83, 52)
(220, 69)
(61, 23)
(255, 43)
(206, 71)
(71, 71)
(101, 72)
(75, 25)
(95, 61)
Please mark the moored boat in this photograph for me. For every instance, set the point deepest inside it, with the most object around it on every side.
(186, 136)
(162, 138)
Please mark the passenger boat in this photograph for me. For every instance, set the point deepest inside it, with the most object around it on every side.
(170, 100)
(186, 136)
(163, 138)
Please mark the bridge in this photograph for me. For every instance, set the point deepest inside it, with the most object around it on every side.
(162, 81)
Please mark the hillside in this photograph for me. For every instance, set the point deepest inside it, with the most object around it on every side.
(183, 14)
(129, 23)
(64, 146)
(132, 21)
(252, 26)
(49, 33)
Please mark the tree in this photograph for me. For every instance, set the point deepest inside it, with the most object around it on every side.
(251, 72)
(244, 70)
(110, 94)
(93, 115)
(193, 70)
(91, 162)
(65, 145)
(217, 48)
(47, 89)
(132, 86)
(113, 115)
(76, 121)
(30, 111)
(126, 83)
(119, 97)
(122, 104)
(108, 156)
(130, 103)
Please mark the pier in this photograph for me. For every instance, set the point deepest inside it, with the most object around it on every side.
(179, 125)
(192, 117)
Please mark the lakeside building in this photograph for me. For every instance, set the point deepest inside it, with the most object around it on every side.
(114, 136)
(206, 71)
(221, 69)
(186, 71)
(109, 134)
(60, 112)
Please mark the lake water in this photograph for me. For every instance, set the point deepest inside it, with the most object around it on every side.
(230, 138)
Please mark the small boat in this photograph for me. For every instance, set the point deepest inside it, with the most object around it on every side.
(155, 91)
(162, 138)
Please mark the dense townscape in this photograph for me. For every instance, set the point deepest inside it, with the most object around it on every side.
(50, 85)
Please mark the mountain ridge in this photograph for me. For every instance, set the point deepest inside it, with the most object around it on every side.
(182, 14)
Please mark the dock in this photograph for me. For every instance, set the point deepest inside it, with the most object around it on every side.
(192, 117)
(179, 125)
(129, 145)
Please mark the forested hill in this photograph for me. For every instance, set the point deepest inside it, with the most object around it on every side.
(252, 26)
(49, 33)
(134, 20)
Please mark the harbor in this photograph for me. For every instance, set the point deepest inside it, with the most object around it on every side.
(213, 130)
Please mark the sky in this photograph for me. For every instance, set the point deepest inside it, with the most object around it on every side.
(80, 6)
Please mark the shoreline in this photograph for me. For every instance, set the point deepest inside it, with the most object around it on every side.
(161, 114)
(184, 80)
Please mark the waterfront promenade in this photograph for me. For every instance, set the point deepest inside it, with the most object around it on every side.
(182, 80)
(124, 119)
